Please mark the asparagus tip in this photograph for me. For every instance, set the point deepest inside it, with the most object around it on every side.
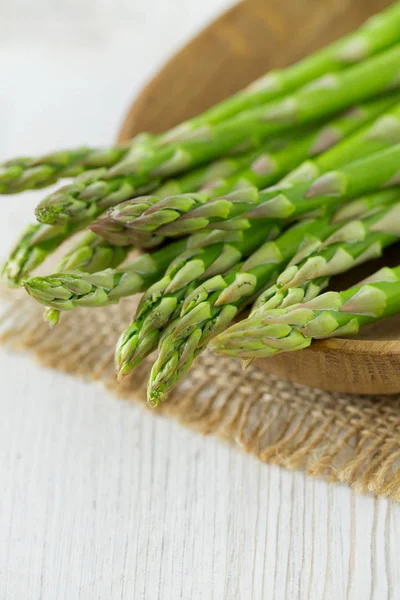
(154, 397)
(52, 317)
(46, 215)
(122, 370)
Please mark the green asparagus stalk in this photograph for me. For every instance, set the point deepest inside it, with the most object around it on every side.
(66, 291)
(91, 254)
(277, 297)
(292, 200)
(377, 34)
(213, 175)
(328, 315)
(381, 133)
(36, 243)
(32, 173)
(212, 306)
(162, 301)
(332, 93)
(347, 246)
(121, 223)
(365, 205)
(89, 195)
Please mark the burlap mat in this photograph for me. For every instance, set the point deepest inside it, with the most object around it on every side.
(351, 439)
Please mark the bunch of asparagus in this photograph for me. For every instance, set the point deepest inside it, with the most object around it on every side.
(257, 202)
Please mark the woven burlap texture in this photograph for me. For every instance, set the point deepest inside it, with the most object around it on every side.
(343, 438)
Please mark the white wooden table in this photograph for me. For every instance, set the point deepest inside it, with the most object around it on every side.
(99, 500)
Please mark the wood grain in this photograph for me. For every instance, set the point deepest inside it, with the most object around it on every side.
(248, 40)
(102, 501)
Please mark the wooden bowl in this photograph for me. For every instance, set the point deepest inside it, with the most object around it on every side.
(248, 40)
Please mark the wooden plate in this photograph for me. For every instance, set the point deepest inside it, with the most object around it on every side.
(248, 40)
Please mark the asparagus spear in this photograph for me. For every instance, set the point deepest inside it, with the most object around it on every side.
(25, 173)
(89, 195)
(319, 99)
(378, 33)
(213, 175)
(214, 304)
(22, 174)
(365, 205)
(351, 245)
(66, 291)
(33, 247)
(38, 241)
(347, 246)
(381, 133)
(292, 200)
(277, 297)
(121, 223)
(92, 254)
(331, 314)
(162, 301)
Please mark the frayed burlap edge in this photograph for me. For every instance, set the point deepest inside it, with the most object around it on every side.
(351, 439)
